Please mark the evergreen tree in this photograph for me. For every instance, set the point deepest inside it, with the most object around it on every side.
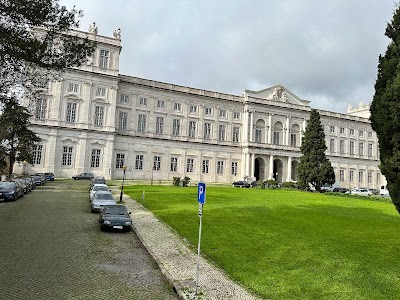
(314, 167)
(385, 109)
(17, 139)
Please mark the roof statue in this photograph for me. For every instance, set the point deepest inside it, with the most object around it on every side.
(279, 94)
(117, 34)
(93, 28)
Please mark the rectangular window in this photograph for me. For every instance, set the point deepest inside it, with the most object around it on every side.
(370, 150)
(98, 115)
(351, 176)
(222, 113)
(189, 165)
(192, 129)
(176, 127)
(276, 138)
(341, 130)
(101, 92)
(139, 162)
(141, 123)
(208, 111)
(341, 175)
(193, 109)
(370, 134)
(174, 164)
(73, 88)
(207, 131)
(369, 177)
(332, 129)
(234, 168)
(332, 145)
(143, 101)
(160, 104)
(351, 131)
(71, 112)
(177, 106)
(104, 57)
(37, 154)
(235, 134)
(236, 115)
(293, 139)
(95, 161)
(159, 125)
(157, 163)
(120, 161)
(341, 146)
(221, 133)
(351, 147)
(205, 166)
(40, 109)
(124, 98)
(361, 148)
(220, 167)
(122, 120)
(360, 133)
(258, 135)
(360, 177)
(67, 156)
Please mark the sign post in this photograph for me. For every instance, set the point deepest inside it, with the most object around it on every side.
(201, 198)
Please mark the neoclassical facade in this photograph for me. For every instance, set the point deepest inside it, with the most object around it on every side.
(98, 120)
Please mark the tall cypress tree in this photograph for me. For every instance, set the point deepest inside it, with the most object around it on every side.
(314, 167)
(385, 109)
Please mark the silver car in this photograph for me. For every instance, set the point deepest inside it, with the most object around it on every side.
(96, 188)
(100, 199)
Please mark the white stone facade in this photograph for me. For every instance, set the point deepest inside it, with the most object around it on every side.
(97, 120)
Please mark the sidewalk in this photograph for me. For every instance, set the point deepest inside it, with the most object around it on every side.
(178, 262)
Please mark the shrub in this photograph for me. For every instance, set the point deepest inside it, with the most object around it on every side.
(270, 184)
(186, 181)
(289, 185)
(176, 180)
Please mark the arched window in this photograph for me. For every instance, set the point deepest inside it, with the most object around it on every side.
(260, 125)
(277, 133)
(294, 135)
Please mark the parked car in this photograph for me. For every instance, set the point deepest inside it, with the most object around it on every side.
(101, 199)
(384, 192)
(326, 188)
(115, 217)
(11, 190)
(28, 183)
(98, 180)
(340, 190)
(39, 180)
(97, 187)
(360, 192)
(49, 176)
(43, 175)
(24, 185)
(33, 182)
(241, 184)
(88, 176)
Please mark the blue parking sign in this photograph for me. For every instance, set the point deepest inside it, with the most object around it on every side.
(201, 192)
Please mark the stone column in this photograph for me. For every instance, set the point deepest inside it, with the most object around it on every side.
(271, 167)
(287, 131)
(252, 164)
(245, 125)
(247, 164)
(251, 127)
(270, 129)
(289, 169)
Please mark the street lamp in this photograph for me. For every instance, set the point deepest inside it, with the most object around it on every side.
(122, 187)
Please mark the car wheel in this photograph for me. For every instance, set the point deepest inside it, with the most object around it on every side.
(15, 197)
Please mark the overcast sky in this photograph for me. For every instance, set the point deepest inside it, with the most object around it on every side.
(322, 51)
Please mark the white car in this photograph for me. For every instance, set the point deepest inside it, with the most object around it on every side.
(360, 192)
(101, 199)
(97, 187)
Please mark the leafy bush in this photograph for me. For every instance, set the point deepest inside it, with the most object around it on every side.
(176, 180)
(289, 185)
(186, 181)
(270, 184)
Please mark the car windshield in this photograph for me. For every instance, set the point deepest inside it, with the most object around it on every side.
(115, 211)
(100, 188)
(6, 185)
(105, 196)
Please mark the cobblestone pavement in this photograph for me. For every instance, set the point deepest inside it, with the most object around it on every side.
(51, 247)
(178, 262)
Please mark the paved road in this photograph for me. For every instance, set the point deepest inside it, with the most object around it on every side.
(51, 247)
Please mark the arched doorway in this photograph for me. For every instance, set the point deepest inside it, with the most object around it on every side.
(259, 169)
(278, 170)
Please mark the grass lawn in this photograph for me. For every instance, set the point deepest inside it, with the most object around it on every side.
(289, 244)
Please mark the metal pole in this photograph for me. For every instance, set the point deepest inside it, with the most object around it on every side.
(152, 169)
(198, 255)
(122, 187)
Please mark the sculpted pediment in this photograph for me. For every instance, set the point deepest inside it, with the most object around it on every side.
(278, 93)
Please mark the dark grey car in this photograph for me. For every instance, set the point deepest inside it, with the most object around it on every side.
(115, 217)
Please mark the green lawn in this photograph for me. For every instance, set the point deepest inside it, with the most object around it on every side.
(289, 244)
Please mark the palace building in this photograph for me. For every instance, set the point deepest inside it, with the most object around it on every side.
(98, 120)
